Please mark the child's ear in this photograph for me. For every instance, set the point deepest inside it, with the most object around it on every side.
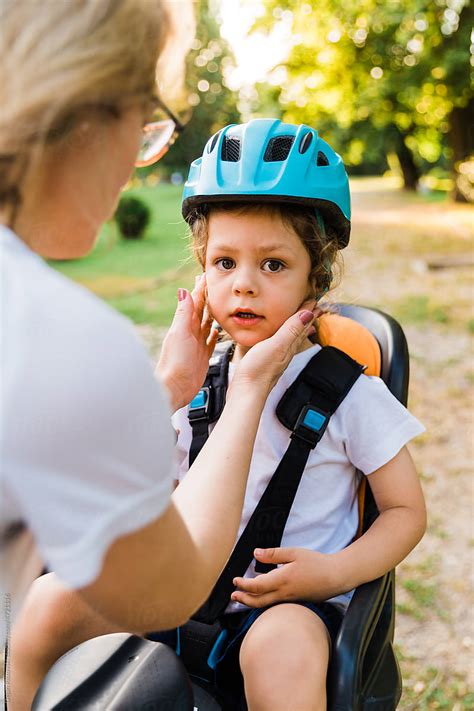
(313, 291)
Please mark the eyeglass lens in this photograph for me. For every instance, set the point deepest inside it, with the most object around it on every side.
(156, 140)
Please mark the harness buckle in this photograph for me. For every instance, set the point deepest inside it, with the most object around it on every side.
(311, 424)
(199, 405)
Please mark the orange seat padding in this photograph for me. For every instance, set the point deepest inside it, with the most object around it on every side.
(352, 338)
(361, 345)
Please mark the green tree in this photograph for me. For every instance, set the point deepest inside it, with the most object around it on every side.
(208, 102)
(379, 75)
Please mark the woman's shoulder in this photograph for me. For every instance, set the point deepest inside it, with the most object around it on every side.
(57, 332)
(48, 310)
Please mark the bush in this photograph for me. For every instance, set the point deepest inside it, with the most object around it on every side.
(132, 217)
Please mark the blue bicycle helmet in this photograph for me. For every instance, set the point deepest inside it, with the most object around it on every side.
(266, 160)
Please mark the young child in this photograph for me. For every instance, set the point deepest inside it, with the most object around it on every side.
(268, 208)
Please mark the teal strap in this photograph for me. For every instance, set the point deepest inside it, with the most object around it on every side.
(320, 221)
(216, 651)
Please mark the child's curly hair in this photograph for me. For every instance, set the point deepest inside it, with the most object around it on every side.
(320, 242)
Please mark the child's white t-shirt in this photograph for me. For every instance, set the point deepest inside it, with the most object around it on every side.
(367, 430)
(86, 443)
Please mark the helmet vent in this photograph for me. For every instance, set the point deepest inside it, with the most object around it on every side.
(322, 159)
(231, 149)
(213, 142)
(278, 148)
(305, 142)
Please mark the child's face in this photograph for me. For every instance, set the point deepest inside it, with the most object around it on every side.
(257, 266)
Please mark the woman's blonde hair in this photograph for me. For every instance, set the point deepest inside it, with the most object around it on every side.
(59, 56)
(322, 247)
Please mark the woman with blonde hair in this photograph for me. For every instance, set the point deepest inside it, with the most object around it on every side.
(86, 443)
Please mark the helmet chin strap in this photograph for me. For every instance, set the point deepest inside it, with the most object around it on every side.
(320, 221)
(322, 227)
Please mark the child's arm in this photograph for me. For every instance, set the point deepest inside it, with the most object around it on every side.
(400, 526)
(311, 575)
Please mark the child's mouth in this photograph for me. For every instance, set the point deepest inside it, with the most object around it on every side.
(246, 317)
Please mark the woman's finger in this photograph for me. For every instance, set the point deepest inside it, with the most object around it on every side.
(266, 361)
(206, 330)
(309, 305)
(312, 305)
(207, 317)
(184, 311)
(286, 341)
(199, 295)
(211, 341)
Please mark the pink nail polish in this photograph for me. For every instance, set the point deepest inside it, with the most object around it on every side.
(306, 317)
(182, 294)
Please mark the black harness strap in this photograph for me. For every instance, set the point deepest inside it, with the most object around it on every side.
(208, 404)
(305, 408)
(200, 435)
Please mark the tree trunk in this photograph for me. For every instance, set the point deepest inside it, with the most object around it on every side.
(410, 171)
(461, 142)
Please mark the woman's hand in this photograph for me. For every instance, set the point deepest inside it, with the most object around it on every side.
(190, 341)
(187, 347)
(303, 575)
(263, 364)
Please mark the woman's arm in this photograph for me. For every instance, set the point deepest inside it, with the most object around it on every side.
(158, 576)
(316, 576)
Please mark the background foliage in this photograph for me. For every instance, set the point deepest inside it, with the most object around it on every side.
(387, 82)
(380, 77)
(207, 104)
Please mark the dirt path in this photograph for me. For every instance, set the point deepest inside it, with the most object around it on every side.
(395, 236)
(394, 239)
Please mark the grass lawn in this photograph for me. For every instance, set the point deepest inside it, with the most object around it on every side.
(140, 277)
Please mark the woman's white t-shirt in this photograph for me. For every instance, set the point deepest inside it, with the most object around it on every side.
(367, 430)
(86, 444)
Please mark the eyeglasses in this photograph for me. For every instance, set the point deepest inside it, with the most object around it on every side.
(158, 136)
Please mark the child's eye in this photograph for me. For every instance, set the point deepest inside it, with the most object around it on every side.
(272, 265)
(225, 263)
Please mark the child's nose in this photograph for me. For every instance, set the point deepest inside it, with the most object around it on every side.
(244, 283)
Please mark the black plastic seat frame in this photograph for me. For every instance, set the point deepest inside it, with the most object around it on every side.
(364, 674)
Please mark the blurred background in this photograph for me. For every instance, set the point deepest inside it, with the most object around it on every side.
(388, 83)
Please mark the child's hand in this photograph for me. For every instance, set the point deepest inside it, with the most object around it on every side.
(304, 575)
(309, 575)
